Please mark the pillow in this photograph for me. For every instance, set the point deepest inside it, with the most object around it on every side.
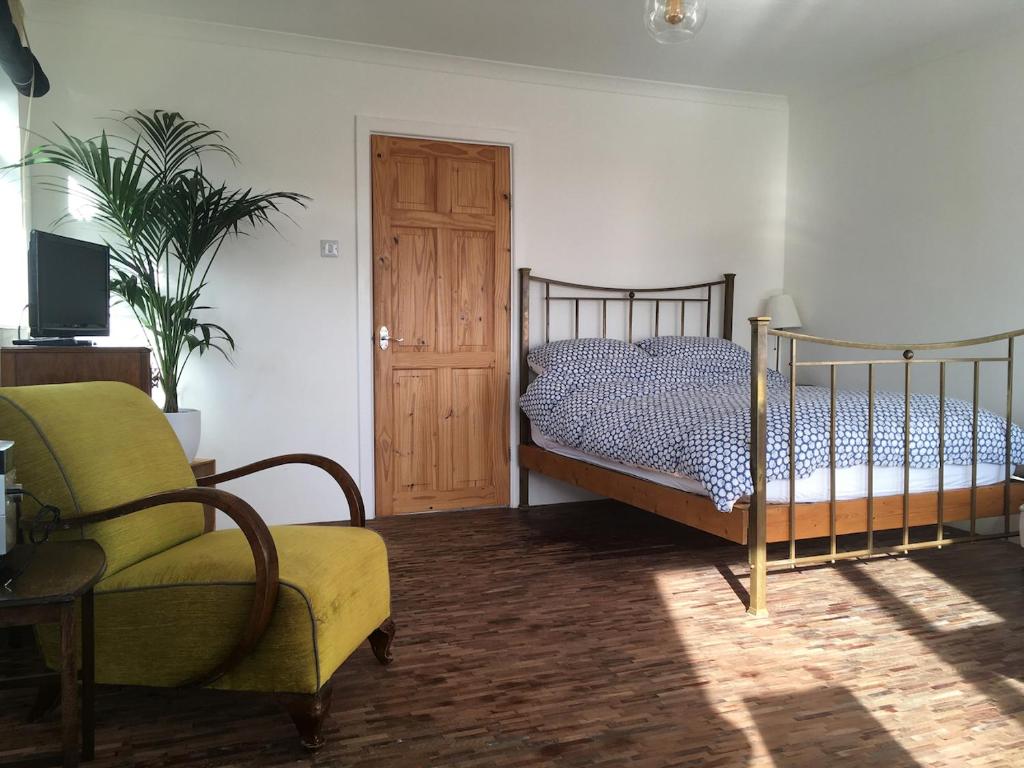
(731, 366)
(610, 355)
(705, 352)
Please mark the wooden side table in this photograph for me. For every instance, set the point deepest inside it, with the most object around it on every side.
(205, 468)
(55, 575)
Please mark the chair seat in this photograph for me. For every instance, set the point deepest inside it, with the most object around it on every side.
(172, 616)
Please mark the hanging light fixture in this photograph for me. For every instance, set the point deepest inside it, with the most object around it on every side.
(674, 21)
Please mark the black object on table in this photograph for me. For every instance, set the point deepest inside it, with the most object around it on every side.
(52, 576)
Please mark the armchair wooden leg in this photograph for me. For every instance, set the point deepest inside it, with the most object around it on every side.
(381, 639)
(308, 712)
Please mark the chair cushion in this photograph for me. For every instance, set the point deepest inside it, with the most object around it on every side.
(171, 617)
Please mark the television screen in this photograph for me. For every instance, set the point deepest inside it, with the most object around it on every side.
(68, 286)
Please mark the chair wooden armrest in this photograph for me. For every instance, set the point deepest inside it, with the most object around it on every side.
(357, 512)
(257, 534)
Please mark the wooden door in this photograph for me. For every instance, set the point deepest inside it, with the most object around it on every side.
(441, 271)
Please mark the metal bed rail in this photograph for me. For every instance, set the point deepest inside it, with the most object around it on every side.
(715, 297)
(757, 515)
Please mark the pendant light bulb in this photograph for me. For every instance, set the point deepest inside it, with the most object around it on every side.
(674, 12)
(674, 21)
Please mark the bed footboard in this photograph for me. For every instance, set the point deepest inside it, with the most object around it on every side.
(903, 513)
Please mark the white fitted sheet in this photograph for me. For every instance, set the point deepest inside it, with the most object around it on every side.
(851, 482)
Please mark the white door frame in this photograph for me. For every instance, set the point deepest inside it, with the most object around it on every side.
(366, 126)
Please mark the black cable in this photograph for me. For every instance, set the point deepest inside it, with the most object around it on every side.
(46, 520)
(22, 315)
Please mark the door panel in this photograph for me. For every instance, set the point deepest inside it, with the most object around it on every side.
(472, 186)
(414, 185)
(413, 281)
(471, 424)
(415, 432)
(473, 276)
(441, 235)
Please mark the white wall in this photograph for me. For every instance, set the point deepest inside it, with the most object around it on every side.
(615, 181)
(905, 201)
(905, 198)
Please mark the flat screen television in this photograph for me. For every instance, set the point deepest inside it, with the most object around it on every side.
(68, 287)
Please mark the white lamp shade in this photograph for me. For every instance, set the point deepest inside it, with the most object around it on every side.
(782, 311)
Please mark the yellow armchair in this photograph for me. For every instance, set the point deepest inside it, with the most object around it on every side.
(257, 608)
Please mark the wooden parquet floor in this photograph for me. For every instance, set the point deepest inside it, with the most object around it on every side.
(598, 635)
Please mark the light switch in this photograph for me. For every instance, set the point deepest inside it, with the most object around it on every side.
(329, 249)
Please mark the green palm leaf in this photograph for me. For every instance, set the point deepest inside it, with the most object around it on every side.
(166, 222)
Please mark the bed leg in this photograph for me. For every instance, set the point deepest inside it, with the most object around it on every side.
(757, 516)
(524, 488)
(758, 556)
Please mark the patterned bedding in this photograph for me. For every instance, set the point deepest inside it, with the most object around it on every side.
(685, 408)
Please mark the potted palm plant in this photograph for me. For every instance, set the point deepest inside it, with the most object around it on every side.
(166, 221)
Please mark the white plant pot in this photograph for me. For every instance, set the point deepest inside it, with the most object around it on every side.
(187, 425)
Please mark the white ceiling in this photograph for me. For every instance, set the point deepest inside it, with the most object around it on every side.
(773, 46)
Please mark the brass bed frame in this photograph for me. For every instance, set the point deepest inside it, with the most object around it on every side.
(753, 521)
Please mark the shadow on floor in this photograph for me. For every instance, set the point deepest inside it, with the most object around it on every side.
(524, 639)
(593, 635)
(986, 655)
(824, 726)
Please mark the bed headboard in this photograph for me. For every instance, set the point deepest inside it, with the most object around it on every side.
(661, 308)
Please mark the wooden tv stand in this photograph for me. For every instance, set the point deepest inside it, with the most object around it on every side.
(26, 365)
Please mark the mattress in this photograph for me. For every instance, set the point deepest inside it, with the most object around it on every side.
(851, 482)
(688, 413)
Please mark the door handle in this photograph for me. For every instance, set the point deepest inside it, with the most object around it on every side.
(384, 338)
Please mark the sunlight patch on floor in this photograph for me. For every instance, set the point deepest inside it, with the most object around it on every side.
(749, 666)
(956, 604)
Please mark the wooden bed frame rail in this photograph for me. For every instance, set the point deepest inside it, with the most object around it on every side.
(753, 521)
